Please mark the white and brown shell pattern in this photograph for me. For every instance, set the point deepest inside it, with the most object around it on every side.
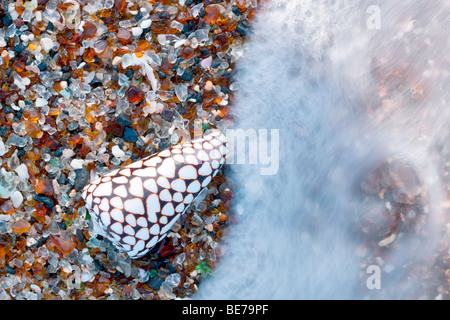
(135, 206)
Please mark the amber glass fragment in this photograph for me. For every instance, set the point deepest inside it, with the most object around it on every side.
(187, 52)
(63, 6)
(77, 38)
(21, 226)
(166, 65)
(33, 45)
(74, 140)
(33, 129)
(31, 115)
(57, 86)
(158, 27)
(19, 7)
(92, 134)
(40, 212)
(65, 36)
(165, 84)
(65, 246)
(38, 27)
(142, 46)
(87, 114)
(167, 250)
(84, 150)
(50, 142)
(212, 14)
(89, 55)
(241, 5)
(5, 57)
(18, 66)
(37, 267)
(54, 111)
(44, 186)
(120, 5)
(4, 248)
(134, 94)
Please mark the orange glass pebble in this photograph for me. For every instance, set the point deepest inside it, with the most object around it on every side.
(33, 170)
(89, 55)
(57, 86)
(44, 186)
(63, 6)
(5, 57)
(37, 267)
(33, 156)
(76, 40)
(166, 65)
(221, 39)
(120, 5)
(101, 288)
(134, 94)
(19, 7)
(38, 27)
(33, 45)
(50, 142)
(212, 14)
(187, 52)
(122, 50)
(65, 36)
(63, 59)
(165, 84)
(18, 66)
(40, 212)
(251, 14)
(88, 116)
(142, 46)
(77, 73)
(104, 13)
(21, 244)
(54, 111)
(89, 30)
(33, 129)
(92, 134)
(241, 5)
(31, 115)
(21, 226)
(84, 150)
(4, 248)
(65, 246)
(139, 53)
(74, 140)
(159, 27)
(229, 25)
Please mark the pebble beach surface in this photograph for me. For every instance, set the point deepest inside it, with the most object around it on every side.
(91, 86)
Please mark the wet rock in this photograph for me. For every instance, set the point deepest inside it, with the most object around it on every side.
(129, 135)
(82, 178)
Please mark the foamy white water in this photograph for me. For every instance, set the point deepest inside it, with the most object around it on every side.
(350, 91)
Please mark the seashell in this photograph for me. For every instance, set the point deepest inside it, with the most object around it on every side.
(135, 206)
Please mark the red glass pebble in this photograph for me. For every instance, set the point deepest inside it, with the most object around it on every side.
(134, 94)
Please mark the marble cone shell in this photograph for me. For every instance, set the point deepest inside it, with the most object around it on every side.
(135, 206)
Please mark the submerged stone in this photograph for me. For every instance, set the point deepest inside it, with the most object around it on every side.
(129, 135)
